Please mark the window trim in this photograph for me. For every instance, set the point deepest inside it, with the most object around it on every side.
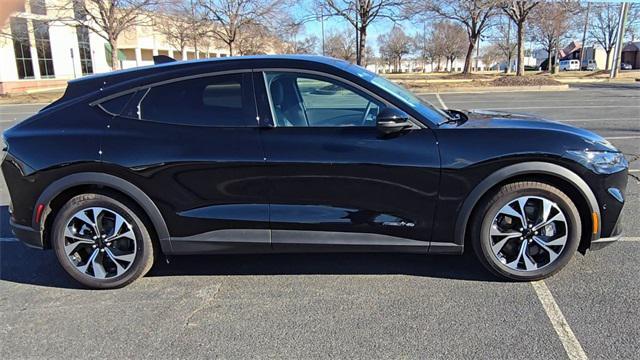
(339, 79)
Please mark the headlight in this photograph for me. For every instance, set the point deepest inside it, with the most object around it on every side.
(600, 162)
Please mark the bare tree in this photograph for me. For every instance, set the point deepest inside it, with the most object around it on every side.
(603, 27)
(491, 55)
(307, 45)
(107, 18)
(254, 39)
(288, 37)
(181, 23)
(362, 13)
(518, 11)
(448, 38)
(394, 45)
(425, 48)
(550, 24)
(231, 17)
(341, 45)
(474, 15)
(502, 38)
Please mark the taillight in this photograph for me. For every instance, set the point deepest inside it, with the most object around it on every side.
(39, 210)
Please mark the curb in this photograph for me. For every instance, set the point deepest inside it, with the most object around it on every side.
(563, 87)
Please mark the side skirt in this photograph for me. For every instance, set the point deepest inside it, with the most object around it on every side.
(243, 241)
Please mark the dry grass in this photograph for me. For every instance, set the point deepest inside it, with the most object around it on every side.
(524, 81)
(33, 98)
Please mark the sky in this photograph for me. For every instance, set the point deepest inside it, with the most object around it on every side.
(378, 27)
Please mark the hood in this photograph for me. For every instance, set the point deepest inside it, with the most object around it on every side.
(489, 119)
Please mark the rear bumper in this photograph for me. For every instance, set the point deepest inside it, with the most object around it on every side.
(28, 235)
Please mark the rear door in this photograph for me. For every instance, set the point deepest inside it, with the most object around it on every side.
(193, 146)
(335, 180)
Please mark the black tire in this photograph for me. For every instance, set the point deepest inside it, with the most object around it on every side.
(144, 254)
(483, 219)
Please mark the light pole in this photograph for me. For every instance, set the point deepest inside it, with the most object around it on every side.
(618, 49)
(322, 26)
(357, 28)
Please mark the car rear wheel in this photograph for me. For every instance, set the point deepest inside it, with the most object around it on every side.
(101, 242)
(526, 231)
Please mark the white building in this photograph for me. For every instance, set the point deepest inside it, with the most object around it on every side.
(38, 52)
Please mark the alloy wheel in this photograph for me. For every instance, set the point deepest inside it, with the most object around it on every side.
(99, 242)
(528, 233)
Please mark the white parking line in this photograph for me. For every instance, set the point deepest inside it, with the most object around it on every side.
(567, 337)
(444, 106)
(590, 120)
(563, 107)
(623, 137)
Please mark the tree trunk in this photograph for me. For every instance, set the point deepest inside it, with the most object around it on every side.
(467, 58)
(520, 71)
(230, 44)
(115, 64)
(363, 43)
(549, 50)
(606, 65)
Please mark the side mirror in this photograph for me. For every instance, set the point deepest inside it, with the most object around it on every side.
(390, 120)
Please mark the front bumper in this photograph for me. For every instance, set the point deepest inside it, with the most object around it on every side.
(603, 242)
(616, 234)
(27, 235)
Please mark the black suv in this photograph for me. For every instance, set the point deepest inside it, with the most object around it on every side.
(297, 153)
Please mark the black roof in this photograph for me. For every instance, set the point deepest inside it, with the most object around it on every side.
(255, 60)
(102, 81)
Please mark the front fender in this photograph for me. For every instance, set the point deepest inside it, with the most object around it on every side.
(524, 168)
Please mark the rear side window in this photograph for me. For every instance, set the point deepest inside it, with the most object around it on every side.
(223, 100)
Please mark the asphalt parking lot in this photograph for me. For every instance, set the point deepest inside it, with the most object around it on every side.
(346, 305)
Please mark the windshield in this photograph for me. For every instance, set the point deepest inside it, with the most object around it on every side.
(425, 108)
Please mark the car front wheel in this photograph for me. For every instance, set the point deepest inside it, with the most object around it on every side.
(526, 231)
(101, 241)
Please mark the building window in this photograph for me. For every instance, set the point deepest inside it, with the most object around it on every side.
(84, 48)
(79, 12)
(22, 47)
(43, 47)
(38, 7)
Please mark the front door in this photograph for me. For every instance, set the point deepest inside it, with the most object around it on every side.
(334, 178)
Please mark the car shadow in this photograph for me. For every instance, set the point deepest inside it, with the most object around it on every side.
(21, 264)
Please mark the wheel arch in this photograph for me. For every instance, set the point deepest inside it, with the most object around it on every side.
(562, 177)
(74, 184)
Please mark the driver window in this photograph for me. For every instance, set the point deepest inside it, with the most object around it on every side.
(306, 100)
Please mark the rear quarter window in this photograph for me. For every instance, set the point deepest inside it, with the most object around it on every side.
(114, 106)
(219, 101)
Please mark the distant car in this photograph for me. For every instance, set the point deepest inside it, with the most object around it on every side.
(297, 153)
(591, 65)
(625, 66)
(569, 65)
